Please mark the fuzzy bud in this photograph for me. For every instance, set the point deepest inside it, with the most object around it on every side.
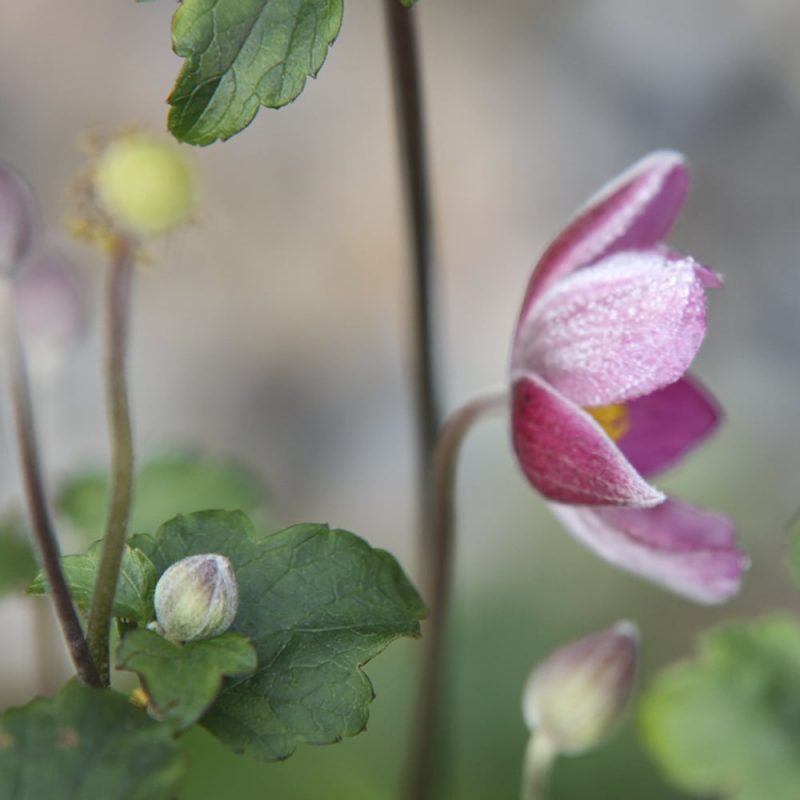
(19, 220)
(575, 697)
(196, 598)
(145, 185)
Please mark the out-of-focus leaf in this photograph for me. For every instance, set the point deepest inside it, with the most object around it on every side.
(137, 582)
(165, 486)
(242, 54)
(181, 681)
(17, 564)
(728, 722)
(317, 604)
(86, 744)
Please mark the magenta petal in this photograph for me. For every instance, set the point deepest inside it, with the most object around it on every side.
(667, 424)
(620, 329)
(567, 456)
(688, 550)
(634, 211)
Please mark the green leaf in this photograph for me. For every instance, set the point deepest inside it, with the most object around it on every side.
(86, 744)
(165, 486)
(728, 722)
(317, 604)
(17, 564)
(182, 681)
(137, 582)
(408, 3)
(241, 54)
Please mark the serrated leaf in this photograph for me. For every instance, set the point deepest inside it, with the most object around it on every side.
(317, 604)
(182, 681)
(86, 744)
(137, 582)
(728, 722)
(17, 564)
(165, 486)
(241, 54)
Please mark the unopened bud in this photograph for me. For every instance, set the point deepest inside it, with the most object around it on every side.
(145, 185)
(196, 598)
(576, 696)
(18, 220)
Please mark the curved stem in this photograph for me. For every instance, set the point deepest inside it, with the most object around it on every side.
(105, 587)
(42, 529)
(410, 127)
(440, 531)
(539, 757)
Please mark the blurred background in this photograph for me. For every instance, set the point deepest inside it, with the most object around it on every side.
(274, 330)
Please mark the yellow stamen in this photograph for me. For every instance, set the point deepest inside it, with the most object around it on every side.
(139, 697)
(613, 419)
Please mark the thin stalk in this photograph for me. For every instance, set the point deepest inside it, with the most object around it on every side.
(441, 530)
(42, 529)
(413, 159)
(117, 324)
(539, 758)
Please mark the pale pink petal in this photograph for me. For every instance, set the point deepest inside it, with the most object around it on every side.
(667, 424)
(617, 330)
(566, 455)
(688, 550)
(19, 220)
(632, 212)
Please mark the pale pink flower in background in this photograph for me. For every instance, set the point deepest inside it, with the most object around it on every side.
(601, 401)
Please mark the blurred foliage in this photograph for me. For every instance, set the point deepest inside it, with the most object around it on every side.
(241, 54)
(176, 483)
(86, 744)
(137, 582)
(182, 681)
(17, 564)
(728, 722)
(317, 604)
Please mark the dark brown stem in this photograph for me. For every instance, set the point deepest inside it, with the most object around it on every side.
(41, 524)
(441, 528)
(413, 160)
(117, 324)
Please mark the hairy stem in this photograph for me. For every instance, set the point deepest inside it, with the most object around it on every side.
(410, 128)
(539, 757)
(117, 323)
(440, 529)
(42, 529)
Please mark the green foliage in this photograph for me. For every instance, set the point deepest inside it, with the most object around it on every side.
(728, 722)
(317, 604)
(17, 564)
(241, 54)
(137, 582)
(170, 484)
(408, 3)
(86, 744)
(182, 681)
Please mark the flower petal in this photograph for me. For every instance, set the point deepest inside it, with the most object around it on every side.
(632, 212)
(667, 424)
(19, 220)
(688, 550)
(617, 330)
(567, 456)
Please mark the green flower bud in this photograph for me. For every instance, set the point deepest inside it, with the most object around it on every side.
(196, 598)
(577, 695)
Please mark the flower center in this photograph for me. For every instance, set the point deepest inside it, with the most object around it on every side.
(613, 419)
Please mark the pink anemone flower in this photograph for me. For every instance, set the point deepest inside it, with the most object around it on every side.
(601, 400)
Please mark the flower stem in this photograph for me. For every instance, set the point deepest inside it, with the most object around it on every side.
(440, 531)
(42, 529)
(539, 758)
(410, 127)
(117, 323)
